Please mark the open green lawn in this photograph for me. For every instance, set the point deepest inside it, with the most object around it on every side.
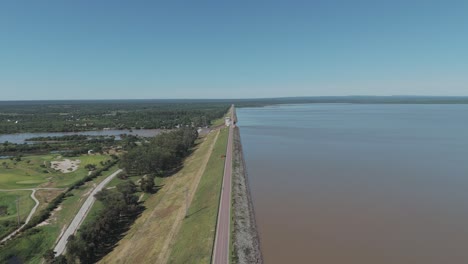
(9, 219)
(31, 245)
(194, 242)
(32, 171)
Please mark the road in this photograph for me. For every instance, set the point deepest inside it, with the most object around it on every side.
(222, 239)
(80, 216)
(33, 210)
(29, 216)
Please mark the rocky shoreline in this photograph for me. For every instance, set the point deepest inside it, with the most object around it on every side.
(246, 241)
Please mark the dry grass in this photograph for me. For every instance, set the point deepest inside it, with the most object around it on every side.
(150, 238)
(194, 242)
(46, 196)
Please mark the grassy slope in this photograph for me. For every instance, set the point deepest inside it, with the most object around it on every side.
(30, 246)
(27, 173)
(195, 239)
(145, 241)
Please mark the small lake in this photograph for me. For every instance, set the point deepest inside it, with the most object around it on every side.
(20, 138)
(359, 183)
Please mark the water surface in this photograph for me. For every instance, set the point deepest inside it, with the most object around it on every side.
(20, 138)
(363, 184)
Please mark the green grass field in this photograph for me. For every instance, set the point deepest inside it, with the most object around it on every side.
(194, 242)
(28, 172)
(8, 220)
(31, 245)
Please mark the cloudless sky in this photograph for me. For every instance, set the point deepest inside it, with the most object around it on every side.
(68, 49)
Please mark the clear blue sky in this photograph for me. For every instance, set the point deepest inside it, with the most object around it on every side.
(231, 49)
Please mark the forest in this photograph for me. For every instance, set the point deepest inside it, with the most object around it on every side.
(75, 116)
(161, 155)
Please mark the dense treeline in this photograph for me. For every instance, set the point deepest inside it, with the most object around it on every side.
(66, 148)
(95, 238)
(160, 155)
(73, 116)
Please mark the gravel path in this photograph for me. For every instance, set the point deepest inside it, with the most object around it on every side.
(29, 216)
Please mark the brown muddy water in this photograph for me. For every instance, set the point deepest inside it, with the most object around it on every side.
(359, 184)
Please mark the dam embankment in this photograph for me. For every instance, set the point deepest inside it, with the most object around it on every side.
(245, 240)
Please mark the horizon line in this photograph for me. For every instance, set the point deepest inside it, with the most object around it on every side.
(225, 99)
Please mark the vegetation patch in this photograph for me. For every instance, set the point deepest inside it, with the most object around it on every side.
(96, 237)
(149, 238)
(32, 171)
(33, 243)
(194, 242)
(9, 203)
(84, 116)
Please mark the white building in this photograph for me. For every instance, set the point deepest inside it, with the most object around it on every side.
(227, 121)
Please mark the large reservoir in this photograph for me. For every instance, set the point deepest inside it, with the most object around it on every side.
(359, 183)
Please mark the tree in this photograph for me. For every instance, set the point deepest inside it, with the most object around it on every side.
(127, 189)
(60, 260)
(123, 175)
(3, 210)
(163, 153)
(147, 183)
(49, 256)
(90, 167)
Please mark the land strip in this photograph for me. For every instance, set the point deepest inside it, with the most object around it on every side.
(194, 242)
(31, 213)
(150, 238)
(245, 240)
(163, 257)
(222, 238)
(33, 210)
(78, 219)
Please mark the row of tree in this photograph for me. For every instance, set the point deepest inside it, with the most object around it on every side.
(161, 155)
(94, 239)
(67, 148)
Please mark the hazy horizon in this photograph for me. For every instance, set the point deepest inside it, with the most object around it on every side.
(116, 50)
(246, 98)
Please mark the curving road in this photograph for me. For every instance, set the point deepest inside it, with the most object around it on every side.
(222, 239)
(80, 216)
(29, 216)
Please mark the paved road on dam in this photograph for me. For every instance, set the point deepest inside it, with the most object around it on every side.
(222, 239)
